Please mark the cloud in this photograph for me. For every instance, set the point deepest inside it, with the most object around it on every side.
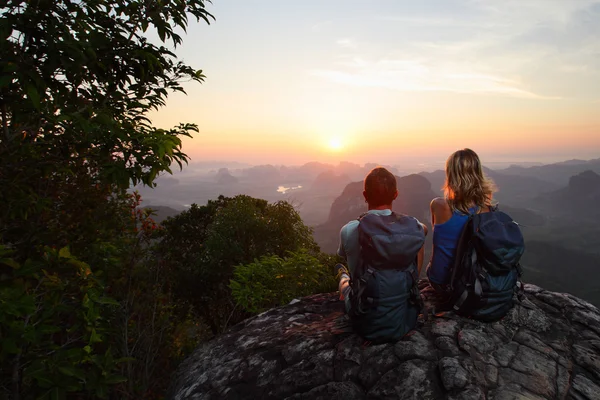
(538, 49)
(346, 43)
(417, 75)
(439, 22)
(532, 11)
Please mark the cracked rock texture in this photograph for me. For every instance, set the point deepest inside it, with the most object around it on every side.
(548, 347)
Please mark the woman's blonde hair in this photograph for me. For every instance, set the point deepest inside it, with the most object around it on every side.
(466, 185)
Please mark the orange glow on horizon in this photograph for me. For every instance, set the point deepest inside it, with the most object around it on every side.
(410, 85)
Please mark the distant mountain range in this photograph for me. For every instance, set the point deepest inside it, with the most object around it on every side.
(579, 200)
(558, 173)
(162, 212)
(329, 180)
(513, 189)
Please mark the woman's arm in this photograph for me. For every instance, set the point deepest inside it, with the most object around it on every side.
(420, 257)
(440, 211)
(435, 207)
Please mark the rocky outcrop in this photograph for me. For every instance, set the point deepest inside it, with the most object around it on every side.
(584, 183)
(547, 347)
(224, 177)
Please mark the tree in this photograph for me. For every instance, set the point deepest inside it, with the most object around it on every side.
(77, 81)
(204, 244)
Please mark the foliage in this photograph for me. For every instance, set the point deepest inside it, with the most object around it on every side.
(68, 328)
(87, 310)
(54, 326)
(79, 78)
(150, 329)
(273, 281)
(204, 244)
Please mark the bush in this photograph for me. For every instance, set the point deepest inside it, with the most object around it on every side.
(203, 245)
(273, 281)
(99, 323)
(55, 325)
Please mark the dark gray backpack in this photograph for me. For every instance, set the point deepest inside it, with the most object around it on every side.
(487, 270)
(385, 301)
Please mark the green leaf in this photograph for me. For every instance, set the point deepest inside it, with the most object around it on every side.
(107, 301)
(10, 262)
(64, 252)
(73, 372)
(95, 337)
(33, 95)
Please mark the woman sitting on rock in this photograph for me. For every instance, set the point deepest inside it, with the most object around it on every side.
(466, 191)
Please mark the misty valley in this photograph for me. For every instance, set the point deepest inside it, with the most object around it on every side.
(555, 205)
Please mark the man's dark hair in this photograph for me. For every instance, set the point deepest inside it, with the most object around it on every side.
(380, 187)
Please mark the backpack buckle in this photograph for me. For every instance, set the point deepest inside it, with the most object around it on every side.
(478, 290)
(461, 300)
(483, 276)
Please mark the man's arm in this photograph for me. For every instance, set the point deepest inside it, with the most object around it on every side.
(421, 254)
(341, 251)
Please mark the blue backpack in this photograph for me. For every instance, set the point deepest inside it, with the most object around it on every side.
(486, 272)
(385, 301)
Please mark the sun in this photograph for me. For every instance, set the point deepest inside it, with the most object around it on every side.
(336, 144)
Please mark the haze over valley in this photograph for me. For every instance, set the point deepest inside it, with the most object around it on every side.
(555, 204)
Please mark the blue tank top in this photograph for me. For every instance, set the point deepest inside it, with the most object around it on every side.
(445, 241)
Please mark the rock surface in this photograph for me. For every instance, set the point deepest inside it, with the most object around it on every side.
(548, 347)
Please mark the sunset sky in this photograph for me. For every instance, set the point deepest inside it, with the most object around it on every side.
(389, 80)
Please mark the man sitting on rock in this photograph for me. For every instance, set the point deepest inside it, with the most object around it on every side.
(384, 254)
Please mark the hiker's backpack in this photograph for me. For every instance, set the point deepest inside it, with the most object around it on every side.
(486, 272)
(385, 300)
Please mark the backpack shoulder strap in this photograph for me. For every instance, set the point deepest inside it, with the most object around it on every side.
(399, 217)
(359, 270)
(461, 248)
